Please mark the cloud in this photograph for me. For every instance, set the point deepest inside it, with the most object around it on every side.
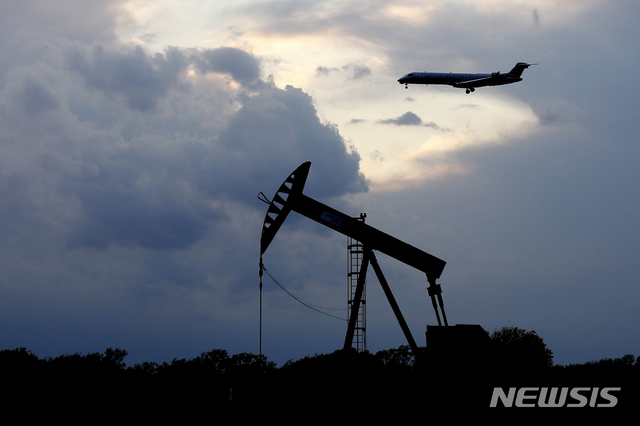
(141, 79)
(131, 176)
(242, 66)
(143, 195)
(283, 127)
(408, 119)
(156, 180)
(354, 71)
(357, 71)
(324, 71)
(36, 97)
(376, 155)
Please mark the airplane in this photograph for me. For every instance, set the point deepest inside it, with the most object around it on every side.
(465, 81)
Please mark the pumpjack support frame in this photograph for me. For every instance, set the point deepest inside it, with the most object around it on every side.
(289, 197)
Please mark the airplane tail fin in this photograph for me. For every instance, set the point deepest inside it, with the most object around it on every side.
(519, 68)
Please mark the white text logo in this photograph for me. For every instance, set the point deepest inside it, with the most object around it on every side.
(555, 397)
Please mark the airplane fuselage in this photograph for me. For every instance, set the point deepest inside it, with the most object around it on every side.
(457, 79)
(465, 81)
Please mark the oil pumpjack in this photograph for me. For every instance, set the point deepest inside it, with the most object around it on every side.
(289, 197)
(463, 353)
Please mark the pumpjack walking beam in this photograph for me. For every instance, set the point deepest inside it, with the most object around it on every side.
(290, 197)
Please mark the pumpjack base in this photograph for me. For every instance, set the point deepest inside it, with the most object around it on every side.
(462, 345)
(458, 363)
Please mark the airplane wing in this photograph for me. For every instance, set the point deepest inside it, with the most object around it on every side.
(479, 82)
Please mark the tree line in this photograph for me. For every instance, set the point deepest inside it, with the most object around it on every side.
(216, 380)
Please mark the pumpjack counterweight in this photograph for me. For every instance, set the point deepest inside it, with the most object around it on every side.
(289, 197)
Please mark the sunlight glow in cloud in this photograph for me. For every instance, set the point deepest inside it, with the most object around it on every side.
(449, 121)
(410, 12)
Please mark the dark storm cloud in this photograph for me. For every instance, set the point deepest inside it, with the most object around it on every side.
(242, 66)
(36, 97)
(22, 23)
(130, 179)
(143, 199)
(283, 127)
(133, 220)
(142, 79)
(408, 119)
(129, 183)
(149, 180)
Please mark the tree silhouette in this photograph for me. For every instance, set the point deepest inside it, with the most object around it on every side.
(19, 367)
(215, 382)
(521, 350)
(401, 356)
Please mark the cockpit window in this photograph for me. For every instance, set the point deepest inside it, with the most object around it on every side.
(409, 75)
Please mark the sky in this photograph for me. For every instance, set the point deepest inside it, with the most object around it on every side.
(136, 135)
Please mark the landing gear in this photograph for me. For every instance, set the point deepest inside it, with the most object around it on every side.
(471, 89)
(406, 86)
